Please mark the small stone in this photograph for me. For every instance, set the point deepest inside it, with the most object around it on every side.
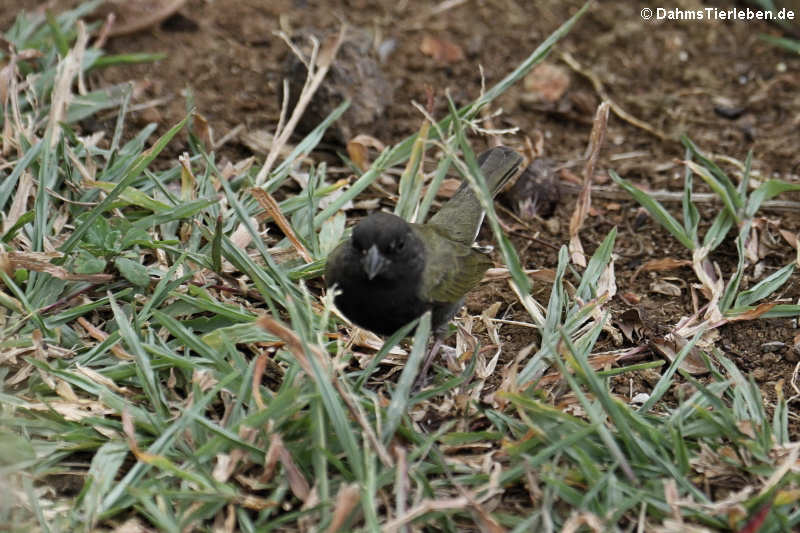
(546, 83)
(552, 225)
(793, 355)
(684, 390)
(773, 346)
(355, 75)
(651, 376)
(640, 398)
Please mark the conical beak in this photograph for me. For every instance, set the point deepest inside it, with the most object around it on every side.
(373, 262)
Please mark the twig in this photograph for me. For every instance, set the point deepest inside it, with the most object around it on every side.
(272, 208)
(401, 483)
(425, 506)
(601, 91)
(322, 62)
(383, 454)
(66, 72)
(584, 202)
(145, 18)
(670, 196)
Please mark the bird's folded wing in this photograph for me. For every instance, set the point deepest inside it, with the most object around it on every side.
(451, 269)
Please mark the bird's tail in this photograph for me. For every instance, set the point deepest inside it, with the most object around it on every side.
(461, 216)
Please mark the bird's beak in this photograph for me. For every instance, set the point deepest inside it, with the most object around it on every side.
(373, 262)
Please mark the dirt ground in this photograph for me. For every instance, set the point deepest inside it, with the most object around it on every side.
(718, 81)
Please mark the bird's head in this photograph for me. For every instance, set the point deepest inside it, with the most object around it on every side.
(387, 245)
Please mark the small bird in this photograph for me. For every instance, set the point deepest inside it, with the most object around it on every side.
(391, 271)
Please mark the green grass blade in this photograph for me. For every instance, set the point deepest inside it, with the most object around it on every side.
(433, 188)
(719, 188)
(765, 191)
(656, 210)
(143, 364)
(732, 287)
(126, 59)
(719, 229)
(793, 45)
(400, 398)
(691, 217)
(596, 267)
(132, 174)
(388, 344)
(727, 191)
(765, 287)
(663, 384)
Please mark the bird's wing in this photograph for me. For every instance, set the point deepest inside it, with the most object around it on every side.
(337, 264)
(451, 268)
(461, 216)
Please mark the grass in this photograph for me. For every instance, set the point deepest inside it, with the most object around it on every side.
(739, 208)
(164, 365)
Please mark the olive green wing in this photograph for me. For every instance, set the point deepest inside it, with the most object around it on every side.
(451, 269)
(335, 265)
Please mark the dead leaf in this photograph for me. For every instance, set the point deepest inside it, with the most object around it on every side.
(346, 499)
(101, 335)
(584, 201)
(357, 149)
(632, 325)
(546, 275)
(132, 525)
(99, 378)
(658, 265)
(20, 204)
(441, 50)
(448, 188)
(202, 129)
(258, 140)
(40, 262)
(266, 201)
(74, 411)
(5, 264)
(367, 339)
(670, 345)
(607, 283)
(297, 481)
(661, 286)
(789, 237)
(630, 298)
(754, 313)
(585, 518)
(222, 468)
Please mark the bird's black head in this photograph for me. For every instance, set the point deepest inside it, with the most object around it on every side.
(388, 247)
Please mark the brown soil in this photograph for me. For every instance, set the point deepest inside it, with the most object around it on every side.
(715, 80)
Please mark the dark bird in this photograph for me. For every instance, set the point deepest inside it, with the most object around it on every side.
(391, 271)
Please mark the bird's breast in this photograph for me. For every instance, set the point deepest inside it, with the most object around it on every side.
(379, 306)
